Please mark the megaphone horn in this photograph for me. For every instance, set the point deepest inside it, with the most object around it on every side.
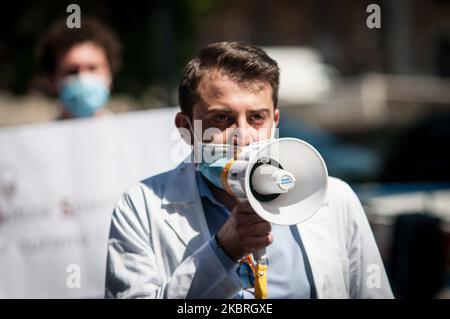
(284, 180)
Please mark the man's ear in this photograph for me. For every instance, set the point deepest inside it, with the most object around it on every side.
(276, 117)
(180, 120)
(182, 125)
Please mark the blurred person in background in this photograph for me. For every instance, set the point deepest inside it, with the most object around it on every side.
(78, 66)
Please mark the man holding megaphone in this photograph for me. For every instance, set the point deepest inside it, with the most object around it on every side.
(246, 215)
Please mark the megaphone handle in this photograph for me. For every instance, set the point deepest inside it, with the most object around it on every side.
(261, 269)
(260, 274)
(260, 256)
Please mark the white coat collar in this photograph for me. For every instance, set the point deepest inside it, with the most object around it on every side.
(182, 207)
(180, 186)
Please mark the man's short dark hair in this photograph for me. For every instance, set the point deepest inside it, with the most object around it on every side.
(59, 39)
(240, 61)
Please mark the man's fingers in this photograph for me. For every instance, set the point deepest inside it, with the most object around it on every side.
(256, 243)
(248, 220)
(244, 208)
(246, 230)
(259, 229)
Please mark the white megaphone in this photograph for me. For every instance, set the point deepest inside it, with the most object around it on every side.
(284, 180)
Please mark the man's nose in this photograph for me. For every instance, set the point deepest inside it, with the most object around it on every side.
(243, 134)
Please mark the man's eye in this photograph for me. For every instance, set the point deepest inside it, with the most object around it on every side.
(258, 118)
(72, 71)
(222, 118)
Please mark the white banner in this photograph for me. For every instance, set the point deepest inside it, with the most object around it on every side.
(58, 185)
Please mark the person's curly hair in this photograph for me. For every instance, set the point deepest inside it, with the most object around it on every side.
(59, 39)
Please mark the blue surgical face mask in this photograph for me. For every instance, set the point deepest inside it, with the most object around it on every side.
(214, 157)
(82, 95)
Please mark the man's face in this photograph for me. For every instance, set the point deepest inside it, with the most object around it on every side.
(83, 58)
(245, 108)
